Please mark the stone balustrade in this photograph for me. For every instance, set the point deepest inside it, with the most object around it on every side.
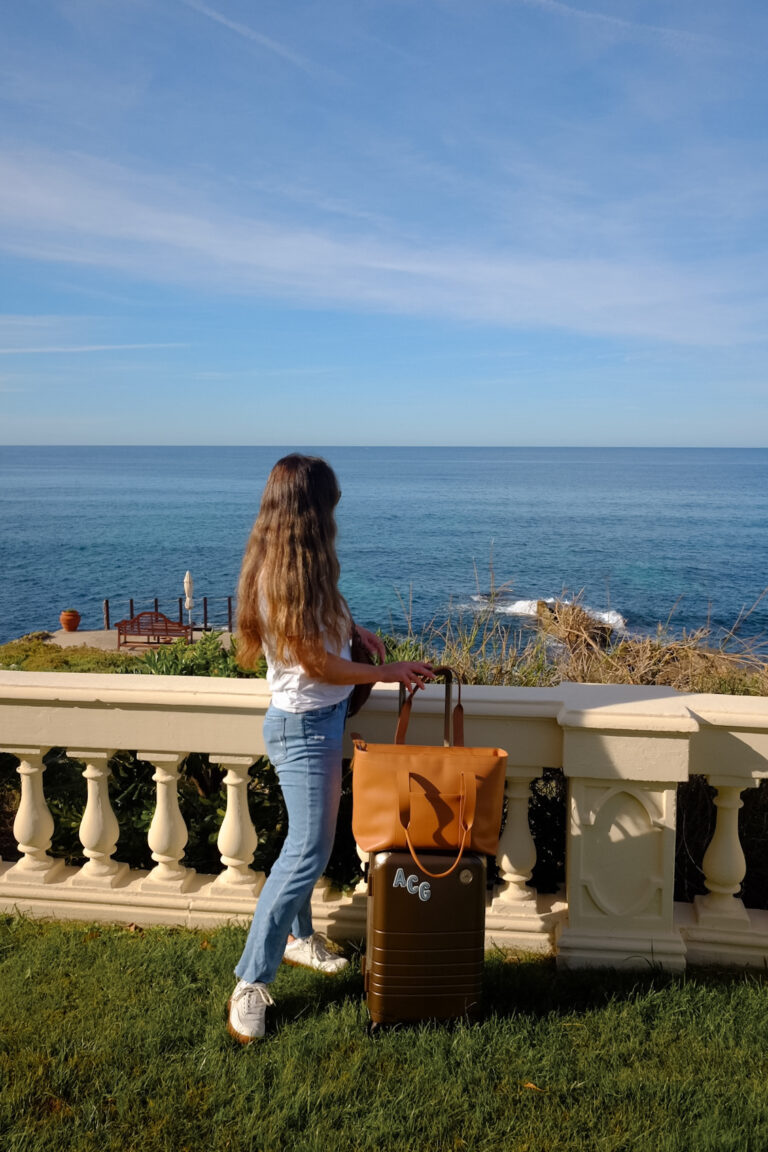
(623, 751)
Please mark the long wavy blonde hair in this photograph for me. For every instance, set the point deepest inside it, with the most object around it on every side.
(288, 590)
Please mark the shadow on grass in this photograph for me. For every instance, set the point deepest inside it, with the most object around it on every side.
(300, 994)
(514, 986)
(535, 987)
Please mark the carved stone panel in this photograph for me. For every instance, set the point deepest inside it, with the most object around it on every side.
(623, 832)
(621, 849)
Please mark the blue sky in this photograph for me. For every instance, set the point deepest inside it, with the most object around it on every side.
(381, 222)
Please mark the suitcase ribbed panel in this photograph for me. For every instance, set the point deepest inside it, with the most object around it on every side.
(426, 938)
(428, 941)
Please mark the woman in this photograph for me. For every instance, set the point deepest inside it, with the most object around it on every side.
(290, 608)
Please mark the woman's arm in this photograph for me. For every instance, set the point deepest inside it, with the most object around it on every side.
(412, 673)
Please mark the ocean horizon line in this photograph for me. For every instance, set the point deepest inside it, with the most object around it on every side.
(430, 447)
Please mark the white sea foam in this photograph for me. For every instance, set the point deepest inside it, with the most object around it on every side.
(530, 608)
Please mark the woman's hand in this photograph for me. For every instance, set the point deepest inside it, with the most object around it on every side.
(411, 673)
(372, 642)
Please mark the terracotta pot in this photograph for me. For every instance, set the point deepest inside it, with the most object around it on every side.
(69, 621)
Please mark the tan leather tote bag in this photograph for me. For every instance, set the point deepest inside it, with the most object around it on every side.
(425, 797)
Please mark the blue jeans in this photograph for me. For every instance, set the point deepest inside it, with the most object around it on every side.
(305, 748)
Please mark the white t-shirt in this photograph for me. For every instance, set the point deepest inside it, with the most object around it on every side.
(295, 691)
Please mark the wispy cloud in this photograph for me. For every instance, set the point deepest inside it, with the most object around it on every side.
(55, 86)
(77, 211)
(44, 335)
(18, 330)
(44, 350)
(673, 35)
(266, 42)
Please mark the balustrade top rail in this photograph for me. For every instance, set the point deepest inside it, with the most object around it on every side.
(529, 722)
(623, 749)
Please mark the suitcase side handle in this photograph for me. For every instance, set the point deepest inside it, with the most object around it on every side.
(467, 808)
(406, 704)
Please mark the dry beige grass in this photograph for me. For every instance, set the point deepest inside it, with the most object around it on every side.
(569, 644)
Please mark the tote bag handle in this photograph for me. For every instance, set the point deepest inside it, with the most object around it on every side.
(406, 704)
(467, 808)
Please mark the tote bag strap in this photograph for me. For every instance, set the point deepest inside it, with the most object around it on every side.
(467, 808)
(406, 704)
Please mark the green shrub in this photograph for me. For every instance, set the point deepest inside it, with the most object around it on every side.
(32, 654)
(206, 657)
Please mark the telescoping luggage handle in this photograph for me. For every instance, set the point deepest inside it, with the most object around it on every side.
(406, 704)
(467, 781)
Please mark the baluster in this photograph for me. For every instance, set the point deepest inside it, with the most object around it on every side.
(33, 826)
(99, 829)
(237, 838)
(167, 833)
(724, 865)
(517, 850)
(514, 915)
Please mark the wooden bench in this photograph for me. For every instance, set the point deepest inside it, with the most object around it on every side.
(151, 628)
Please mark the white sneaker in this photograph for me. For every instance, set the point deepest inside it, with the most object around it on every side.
(247, 1010)
(313, 952)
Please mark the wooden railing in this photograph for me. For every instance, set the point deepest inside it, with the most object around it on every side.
(623, 751)
(212, 611)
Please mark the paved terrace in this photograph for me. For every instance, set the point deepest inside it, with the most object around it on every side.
(107, 641)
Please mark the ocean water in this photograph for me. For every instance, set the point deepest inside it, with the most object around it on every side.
(647, 535)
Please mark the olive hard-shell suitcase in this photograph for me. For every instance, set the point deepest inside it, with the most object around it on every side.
(426, 938)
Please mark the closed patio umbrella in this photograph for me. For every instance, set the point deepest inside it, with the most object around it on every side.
(189, 588)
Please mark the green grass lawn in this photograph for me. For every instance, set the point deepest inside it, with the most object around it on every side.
(115, 1039)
